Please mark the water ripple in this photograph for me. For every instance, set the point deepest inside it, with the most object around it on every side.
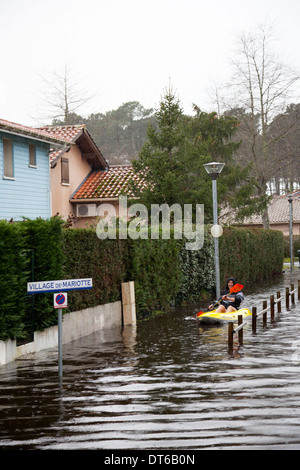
(166, 385)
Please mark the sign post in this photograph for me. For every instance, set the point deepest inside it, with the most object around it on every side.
(60, 301)
(60, 361)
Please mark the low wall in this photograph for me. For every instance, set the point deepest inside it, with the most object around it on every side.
(75, 325)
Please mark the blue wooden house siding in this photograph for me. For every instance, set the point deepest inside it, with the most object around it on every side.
(27, 193)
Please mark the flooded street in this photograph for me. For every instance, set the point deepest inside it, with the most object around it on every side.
(167, 384)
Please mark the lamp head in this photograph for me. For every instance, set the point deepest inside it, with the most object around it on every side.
(214, 169)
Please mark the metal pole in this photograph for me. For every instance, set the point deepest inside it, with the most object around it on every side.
(291, 233)
(216, 239)
(60, 368)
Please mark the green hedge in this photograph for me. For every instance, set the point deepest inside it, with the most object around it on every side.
(44, 248)
(153, 265)
(105, 261)
(29, 250)
(14, 270)
(197, 270)
(250, 254)
(163, 270)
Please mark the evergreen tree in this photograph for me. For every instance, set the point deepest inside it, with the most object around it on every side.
(214, 138)
(162, 158)
(171, 160)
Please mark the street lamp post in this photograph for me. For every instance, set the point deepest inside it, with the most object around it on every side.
(214, 169)
(291, 232)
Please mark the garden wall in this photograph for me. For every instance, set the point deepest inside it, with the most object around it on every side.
(75, 325)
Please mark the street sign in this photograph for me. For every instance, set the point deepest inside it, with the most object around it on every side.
(58, 286)
(61, 300)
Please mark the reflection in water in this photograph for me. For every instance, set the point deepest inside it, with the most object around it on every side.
(165, 384)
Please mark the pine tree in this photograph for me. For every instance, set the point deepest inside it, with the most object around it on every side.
(171, 160)
(162, 158)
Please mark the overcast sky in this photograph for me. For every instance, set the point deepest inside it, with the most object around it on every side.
(126, 50)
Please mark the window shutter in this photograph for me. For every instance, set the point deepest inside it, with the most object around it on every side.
(32, 155)
(8, 158)
(64, 170)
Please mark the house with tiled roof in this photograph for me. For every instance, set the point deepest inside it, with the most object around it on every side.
(70, 166)
(24, 170)
(107, 185)
(103, 187)
(57, 170)
(279, 215)
(81, 178)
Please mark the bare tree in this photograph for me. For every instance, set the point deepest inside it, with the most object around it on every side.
(261, 87)
(284, 136)
(62, 96)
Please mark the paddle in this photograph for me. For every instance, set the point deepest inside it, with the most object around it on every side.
(234, 290)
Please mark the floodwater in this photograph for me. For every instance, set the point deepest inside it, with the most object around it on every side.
(167, 384)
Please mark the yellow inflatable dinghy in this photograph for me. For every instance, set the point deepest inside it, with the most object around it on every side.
(216, 318)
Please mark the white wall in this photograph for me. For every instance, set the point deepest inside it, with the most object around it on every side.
(75, 325)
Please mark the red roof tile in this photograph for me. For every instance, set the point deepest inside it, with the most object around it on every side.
(108, 184)
(75, 134)
(69, 133)
(40, 134)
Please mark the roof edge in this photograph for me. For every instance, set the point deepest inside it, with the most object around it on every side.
(30, 132)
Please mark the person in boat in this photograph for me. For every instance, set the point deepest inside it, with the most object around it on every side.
(230, 302)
